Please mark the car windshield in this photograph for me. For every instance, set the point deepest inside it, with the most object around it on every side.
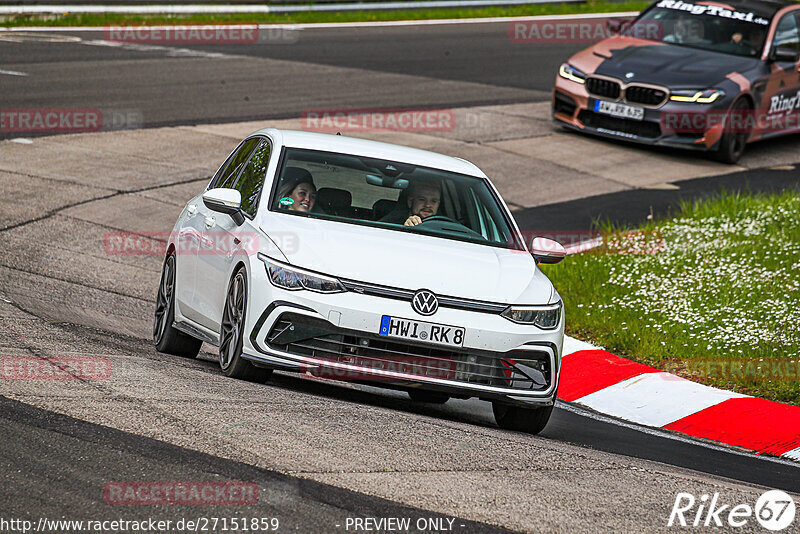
(709, 27)
(391, 195)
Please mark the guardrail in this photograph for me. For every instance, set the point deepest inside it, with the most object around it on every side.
(245, 7)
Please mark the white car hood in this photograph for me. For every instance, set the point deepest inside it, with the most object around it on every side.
(409, 261)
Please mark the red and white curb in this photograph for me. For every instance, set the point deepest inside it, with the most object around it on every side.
(621, 388)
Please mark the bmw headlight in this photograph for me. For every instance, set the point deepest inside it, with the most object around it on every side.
(571, 73)
(287, 277)
(545, 317)
(705, 96)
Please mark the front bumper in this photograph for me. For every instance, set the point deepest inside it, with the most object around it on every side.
(337, 337)
(673, 124)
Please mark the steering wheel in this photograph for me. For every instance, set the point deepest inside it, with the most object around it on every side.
(751, 47)
(434, 218)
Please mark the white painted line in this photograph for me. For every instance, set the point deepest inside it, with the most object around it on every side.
(655, 399)
(169, 51)
(22, 141)
(227, 8)
(13, 72)
(385, 23)
(574, 345)
(665, 434)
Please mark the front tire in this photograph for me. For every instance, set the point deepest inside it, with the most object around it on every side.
(732, 145)
(232, 334)
(530, 420)
(165, 337)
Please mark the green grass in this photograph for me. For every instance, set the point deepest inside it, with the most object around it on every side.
(719, 283)
(112, 19)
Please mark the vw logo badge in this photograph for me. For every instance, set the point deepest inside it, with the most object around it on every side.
(425, 302)
(629, 75)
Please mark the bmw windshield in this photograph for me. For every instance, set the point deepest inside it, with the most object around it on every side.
(708, 27)
(391, 195)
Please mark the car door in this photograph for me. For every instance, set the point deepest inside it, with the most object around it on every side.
(192, 239)
(223, 238)
(781, 100)
(187, 243)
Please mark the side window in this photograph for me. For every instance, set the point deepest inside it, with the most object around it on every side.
(786, 34)
(251, 181)
(231, 168)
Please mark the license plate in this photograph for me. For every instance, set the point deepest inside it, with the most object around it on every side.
(617, 109)
(440, 334)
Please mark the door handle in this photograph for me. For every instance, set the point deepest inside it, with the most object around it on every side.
(191, 209)
(210, 222)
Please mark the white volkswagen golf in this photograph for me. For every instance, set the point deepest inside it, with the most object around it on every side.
(356, 260)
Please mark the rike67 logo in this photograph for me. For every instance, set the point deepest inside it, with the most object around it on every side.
(774, 510)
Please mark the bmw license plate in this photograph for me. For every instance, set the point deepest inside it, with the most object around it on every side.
(397, 327)
(617, 109)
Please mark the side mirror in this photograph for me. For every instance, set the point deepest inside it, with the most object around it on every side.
(546, 250)
(784, 54)
(224, 200)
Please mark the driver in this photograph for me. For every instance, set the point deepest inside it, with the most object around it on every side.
(749, 45)
(423, 202)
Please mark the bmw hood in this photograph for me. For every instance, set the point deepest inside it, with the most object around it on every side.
(669, 65)
(410, 261)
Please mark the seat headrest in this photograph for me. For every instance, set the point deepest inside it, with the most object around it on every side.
(334, 198)
(382, 207)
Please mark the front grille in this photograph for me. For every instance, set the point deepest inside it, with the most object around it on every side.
(648, 129)
(564, 104)
(603, 87)
(649, 96)
(315, 338)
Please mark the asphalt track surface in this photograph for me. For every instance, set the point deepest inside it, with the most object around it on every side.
(82, 308)
(399, 67)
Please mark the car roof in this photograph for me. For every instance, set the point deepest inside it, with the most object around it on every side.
(374, 149)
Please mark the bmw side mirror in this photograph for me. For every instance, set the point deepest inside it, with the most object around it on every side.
(546, 250)
(784, 54)
(224, 200)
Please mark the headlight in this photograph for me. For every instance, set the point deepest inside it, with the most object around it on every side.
(571, 73)
(294, 279)
(705, 96)
(545, 317)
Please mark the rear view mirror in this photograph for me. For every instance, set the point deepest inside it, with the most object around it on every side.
(224, 200)
(546, 250)
(386, 181)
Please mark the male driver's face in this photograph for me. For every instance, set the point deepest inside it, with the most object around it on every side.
(424, 201)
